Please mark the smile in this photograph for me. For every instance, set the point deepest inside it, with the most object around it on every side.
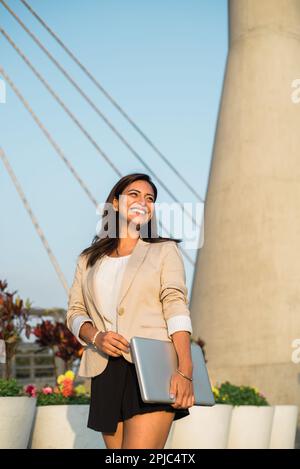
(138, 210)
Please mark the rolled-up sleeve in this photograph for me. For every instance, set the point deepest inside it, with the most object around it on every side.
(76, 305)
(76, 325)
(173, 290)
(179, 323)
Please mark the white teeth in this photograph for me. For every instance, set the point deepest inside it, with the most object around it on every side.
(138, 210)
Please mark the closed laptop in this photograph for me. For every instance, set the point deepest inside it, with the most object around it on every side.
(155, 362)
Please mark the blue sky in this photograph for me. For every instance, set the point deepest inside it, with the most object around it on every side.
(163, 61)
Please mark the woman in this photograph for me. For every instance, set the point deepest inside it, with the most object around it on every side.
(130, 282)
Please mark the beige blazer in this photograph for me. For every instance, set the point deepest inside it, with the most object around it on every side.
(153, 290)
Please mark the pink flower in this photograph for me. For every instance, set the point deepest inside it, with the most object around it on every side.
(47, 390)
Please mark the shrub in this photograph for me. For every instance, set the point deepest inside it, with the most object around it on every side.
(59, 399)
(14, 319)
(57, 337)
(10, 388)
(228, 393)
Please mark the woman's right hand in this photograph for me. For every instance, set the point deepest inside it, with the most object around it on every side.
(111, 343)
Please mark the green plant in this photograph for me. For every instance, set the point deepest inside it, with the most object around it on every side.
(228, 393)
(14, 319)
(10, 387)
(59, 399)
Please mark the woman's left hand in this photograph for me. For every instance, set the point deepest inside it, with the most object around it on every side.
(183, 391)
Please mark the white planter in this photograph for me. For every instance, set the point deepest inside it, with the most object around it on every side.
(16, 416)
(204, 428)
(64, 427)
(250, 427)
(284, 427)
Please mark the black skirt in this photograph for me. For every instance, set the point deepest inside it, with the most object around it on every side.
(115, 397)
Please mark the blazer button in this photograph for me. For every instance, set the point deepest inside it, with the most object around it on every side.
(121, 311)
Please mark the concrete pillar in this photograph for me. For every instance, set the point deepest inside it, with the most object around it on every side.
(245, 301)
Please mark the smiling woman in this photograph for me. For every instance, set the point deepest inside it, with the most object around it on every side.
(118, 294)
(128, 214)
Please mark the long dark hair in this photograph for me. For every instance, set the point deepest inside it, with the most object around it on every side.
(103, 244)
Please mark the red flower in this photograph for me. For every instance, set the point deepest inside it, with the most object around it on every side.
(67, 387)
(31, 390)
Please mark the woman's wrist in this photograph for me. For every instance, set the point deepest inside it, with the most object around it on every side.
(186, 368)
(188, 376)
(93, 341)
(87, 332)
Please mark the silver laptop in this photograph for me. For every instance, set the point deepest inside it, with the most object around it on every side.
(156, 360)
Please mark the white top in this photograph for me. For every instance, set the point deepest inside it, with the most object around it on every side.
(107, 282)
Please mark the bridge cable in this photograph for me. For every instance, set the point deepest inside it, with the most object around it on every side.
(58, 149)
(34, 221)
(110, 98)
(95, 108)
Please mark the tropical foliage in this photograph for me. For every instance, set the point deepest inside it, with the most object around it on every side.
(14, 319)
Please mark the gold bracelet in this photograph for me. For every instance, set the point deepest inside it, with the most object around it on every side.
(178, 371)
(94, 338)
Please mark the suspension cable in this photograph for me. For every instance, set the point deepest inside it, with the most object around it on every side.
(47, 134)
(61, 103)
(60, 152)
(110, 98)
(94, 107)
(34, 221)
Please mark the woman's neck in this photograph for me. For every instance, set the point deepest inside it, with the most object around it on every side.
(125, 246)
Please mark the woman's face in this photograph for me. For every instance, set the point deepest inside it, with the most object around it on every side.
(136, 203)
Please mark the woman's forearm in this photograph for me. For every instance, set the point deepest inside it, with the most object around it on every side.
(181, 341)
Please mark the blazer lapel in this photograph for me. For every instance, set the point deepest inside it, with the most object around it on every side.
(131, 269)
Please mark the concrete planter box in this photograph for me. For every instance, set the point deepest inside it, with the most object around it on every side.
(204, 428)
(219, 427)
(64, 427)
(236, 427)
(250, 427)
(284, 427)
(16, 415)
